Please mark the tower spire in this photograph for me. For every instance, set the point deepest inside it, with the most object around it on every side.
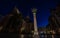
(16, 9)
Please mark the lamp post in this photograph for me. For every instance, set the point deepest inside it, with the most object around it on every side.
(34, 10)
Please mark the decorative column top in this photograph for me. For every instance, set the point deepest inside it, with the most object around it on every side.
(34, 10)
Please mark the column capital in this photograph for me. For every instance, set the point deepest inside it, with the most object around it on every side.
(34, 10)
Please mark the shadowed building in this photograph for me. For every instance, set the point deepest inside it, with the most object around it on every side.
(54, 20)
(13, 20)
(11, 23)
(27, 27)
(51, 20)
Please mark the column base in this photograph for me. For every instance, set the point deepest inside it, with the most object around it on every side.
(36, 35)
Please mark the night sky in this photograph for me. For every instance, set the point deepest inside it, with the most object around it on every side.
(25, 6)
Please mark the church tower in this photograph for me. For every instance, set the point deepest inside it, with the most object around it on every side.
(14, 18)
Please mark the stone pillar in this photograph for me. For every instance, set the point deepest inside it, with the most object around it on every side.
(22, 36)
(35, 23)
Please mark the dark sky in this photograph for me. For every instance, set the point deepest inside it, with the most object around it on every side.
(25, 6)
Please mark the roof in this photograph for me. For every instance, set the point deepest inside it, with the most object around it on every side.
(15, 11)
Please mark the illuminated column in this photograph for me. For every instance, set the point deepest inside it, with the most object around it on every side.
(35, 23)
(22, 36)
